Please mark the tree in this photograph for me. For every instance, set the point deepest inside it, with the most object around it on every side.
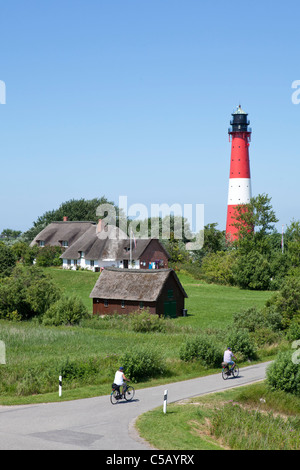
(292, 243)
(7, 260)
(10, 234)
(255, 222)
(214, 241)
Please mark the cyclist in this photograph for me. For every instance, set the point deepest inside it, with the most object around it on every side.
(120, 379)
(228, 355)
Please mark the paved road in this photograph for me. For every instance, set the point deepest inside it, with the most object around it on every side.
(91, 423)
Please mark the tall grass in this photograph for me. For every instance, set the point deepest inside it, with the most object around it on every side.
(244, 429)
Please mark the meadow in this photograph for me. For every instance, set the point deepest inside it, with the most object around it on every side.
(88, 354)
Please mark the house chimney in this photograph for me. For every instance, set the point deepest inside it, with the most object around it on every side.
(65, 219)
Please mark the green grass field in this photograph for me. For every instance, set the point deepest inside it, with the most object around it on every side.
(35, 354)
(208, 305)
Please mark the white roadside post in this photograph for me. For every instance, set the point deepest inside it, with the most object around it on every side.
(60, 385)
(165, 401)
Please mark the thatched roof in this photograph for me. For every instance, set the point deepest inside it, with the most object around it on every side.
(97, 245)
(111, 243)
(133, 284)
(56, 232)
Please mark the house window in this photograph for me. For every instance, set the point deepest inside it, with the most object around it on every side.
(92, 263)
(75, 262)
(64, 243)
(69, 262)
(105, 303)
(123, 303)
(170, 294)
(42, 243)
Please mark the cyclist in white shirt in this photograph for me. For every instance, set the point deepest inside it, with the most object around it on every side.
(228, 355)
(120, 379)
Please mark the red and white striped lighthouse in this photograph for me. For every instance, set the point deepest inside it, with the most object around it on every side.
(239, 191)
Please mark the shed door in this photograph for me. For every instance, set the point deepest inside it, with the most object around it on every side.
(170, 309)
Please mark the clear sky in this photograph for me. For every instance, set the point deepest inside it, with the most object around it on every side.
(134, 98)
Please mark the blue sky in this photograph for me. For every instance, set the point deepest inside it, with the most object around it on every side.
(134, 98)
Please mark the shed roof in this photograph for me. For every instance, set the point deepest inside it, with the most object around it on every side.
(133, 284)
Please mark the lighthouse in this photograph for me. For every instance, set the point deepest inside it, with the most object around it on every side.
(239, 191)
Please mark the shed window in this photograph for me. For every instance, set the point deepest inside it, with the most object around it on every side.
(170, 294)
(141, 305)
(105, 303)
(123, 303)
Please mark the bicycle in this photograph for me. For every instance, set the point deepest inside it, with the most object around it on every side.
(116, 395)
(227, 372)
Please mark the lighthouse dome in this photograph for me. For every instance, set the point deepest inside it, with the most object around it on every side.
(239, 110)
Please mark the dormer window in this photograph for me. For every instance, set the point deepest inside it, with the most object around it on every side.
(65, 243)
(42, 243)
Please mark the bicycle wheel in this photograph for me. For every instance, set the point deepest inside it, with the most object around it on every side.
(225, 374)
(235, 371)
(114, 397)
(129, 393)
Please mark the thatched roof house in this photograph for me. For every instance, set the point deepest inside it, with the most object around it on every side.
(94, 246)
(100, 247)
(127, 290)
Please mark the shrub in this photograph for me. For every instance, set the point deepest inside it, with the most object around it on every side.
(287, 300)
(293, 332)
(201, 348)
(146, 322)
(252, 271)
(49, 256)
(142, 364)
(241, 342)
(66, 311)
(76, 370)
(217, 267)
(284, 374)
(253, 319)
(27, 291)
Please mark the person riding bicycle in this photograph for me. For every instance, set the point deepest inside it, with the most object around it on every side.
(228, 355)
(120, 379)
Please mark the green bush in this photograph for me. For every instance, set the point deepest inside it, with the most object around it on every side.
(142, 364)
(66, 311)
(145, 322)
(202, 348)
(286, 301)
(252, 271)
(241, 342)
(78, 370)
(284, 374)
(217, 267)
(253, 319)
(49, 256)
(293, 332)
(28, 291)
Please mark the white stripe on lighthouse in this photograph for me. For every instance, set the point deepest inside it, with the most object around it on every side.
(239, 191)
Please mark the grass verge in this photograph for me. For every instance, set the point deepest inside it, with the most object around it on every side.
(247, 418)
